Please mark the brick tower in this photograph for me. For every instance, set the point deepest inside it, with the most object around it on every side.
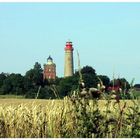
(68, 68)
(49, 69)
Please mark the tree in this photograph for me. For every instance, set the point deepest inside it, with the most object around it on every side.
(17, 83)
(124, 84)
(67, 85)
(121, 87)
(33, 79)
(35, 75)
(105, 79)
(120, 82)
(89, 76)
(88, 70)
(13, 84)
(47, 93)
(137, 86)
(7, 86)
(2, 78)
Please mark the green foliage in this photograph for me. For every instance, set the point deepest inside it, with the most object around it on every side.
(88, 70)
(2, 78)
(105, 79)
(47, 93)
(28, 85)
(13, 83)
(7, 86)
(133, 120)
(122, 82)
(88, 76)
(122, 121)
(90, 80)
(35, 75)
(89, 119)
(137, 85)
(136, 94)
(32, 80)
(31, 93)
(67, 85)
(11, 96)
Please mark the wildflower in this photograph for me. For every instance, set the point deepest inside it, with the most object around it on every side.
(113, 91)
(120, 90)
(113, 96)
(103, 87)
(84, 92)
(98, 86)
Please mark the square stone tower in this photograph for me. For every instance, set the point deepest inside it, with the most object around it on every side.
(49, 69)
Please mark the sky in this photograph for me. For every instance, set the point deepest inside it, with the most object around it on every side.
(106, 35)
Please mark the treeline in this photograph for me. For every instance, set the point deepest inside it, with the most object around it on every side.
(32, 85)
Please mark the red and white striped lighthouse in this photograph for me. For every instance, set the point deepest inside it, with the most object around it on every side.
(68, 68)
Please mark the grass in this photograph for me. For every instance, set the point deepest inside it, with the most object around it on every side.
(28, 102)
(137, 94)
(43, 102)
(11, 96)
(34, 118)
(29, 118)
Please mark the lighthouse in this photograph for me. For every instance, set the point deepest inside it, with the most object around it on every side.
(68, 68)
(49, 69)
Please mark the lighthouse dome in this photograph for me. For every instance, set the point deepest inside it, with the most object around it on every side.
(49, 60)
(69, 46)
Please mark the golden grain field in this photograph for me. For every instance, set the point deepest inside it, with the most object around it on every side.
(34, 118)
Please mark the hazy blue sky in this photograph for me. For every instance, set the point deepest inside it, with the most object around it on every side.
(107, 36)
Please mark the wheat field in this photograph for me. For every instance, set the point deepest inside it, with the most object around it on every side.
(36, 118)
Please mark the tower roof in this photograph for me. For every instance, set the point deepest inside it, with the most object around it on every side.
(69, 46)
(49, 58)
